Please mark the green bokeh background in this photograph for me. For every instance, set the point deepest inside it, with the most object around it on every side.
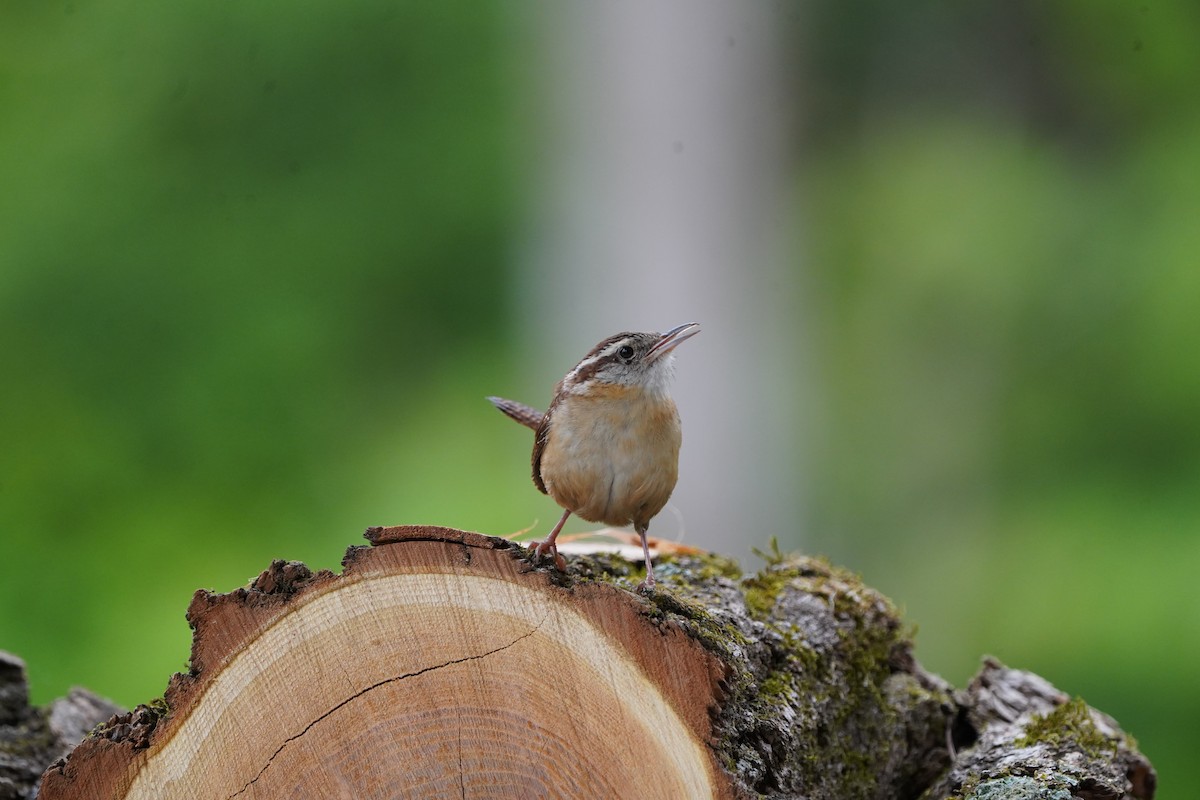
(255, 265)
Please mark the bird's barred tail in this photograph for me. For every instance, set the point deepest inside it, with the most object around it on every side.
(528, 416)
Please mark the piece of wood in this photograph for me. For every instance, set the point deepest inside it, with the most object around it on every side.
(31, 737)
(1029, 740)
(439, 664)
(443, 663)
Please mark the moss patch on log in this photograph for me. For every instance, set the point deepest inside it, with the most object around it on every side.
(1069, 724)
(823, 697)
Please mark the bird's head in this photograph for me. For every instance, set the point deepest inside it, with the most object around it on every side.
(642, 360)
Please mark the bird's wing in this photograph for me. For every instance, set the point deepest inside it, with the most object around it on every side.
(528, 416)
(541, 436)
(539, 446)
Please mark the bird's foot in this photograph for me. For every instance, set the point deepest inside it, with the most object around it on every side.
(541, 549)
(646, 586)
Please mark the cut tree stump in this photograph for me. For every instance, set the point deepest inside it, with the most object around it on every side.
(442, 663)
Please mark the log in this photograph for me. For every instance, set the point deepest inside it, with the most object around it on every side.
(30, 738)
(444, 663)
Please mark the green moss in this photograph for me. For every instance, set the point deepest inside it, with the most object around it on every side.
(101, 729)
(683, 581)
(762, 590)
(159, 706)
(843, 589)
(821, 701)
(1070, 725)
(776, 685)
(669, 569)
(604, 567)
(713, 566)
(718, 637)
(808, 664)
(772, 555)
(691, 570)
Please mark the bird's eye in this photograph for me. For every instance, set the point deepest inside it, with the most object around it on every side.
(625, 352)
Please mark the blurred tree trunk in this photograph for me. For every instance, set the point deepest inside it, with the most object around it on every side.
(663, 153)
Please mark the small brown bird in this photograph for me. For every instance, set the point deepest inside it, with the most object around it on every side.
(607, 448)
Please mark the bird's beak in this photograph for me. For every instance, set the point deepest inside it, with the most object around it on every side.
(671, 339)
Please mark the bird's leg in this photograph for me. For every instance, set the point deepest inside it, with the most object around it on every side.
(648, 584)
(548, 546)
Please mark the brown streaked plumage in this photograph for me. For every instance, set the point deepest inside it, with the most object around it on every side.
(607, 448)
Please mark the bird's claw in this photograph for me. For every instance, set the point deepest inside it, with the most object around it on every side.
(540, 549)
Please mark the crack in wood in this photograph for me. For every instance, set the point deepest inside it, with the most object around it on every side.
(462, 783)
(385, 682)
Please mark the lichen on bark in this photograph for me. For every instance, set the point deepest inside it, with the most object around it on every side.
(824, 698)
(1035, 742)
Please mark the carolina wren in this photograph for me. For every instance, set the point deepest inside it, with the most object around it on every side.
(607, 448)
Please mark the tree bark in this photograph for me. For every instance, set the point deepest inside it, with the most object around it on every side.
(443, 663)
(30, 738)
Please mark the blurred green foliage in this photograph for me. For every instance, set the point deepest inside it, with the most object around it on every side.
(248, 253)
(1005, 258)
(254, 265)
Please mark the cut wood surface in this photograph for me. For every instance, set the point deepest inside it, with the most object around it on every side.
(442, 663)
(436, 664)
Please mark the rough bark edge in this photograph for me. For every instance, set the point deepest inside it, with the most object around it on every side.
(435, 533)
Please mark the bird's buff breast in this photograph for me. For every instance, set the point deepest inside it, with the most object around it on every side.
(613, 456)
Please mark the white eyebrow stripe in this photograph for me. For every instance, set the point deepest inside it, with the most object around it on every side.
(587, 362)
(614, 347)
(605, 353)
